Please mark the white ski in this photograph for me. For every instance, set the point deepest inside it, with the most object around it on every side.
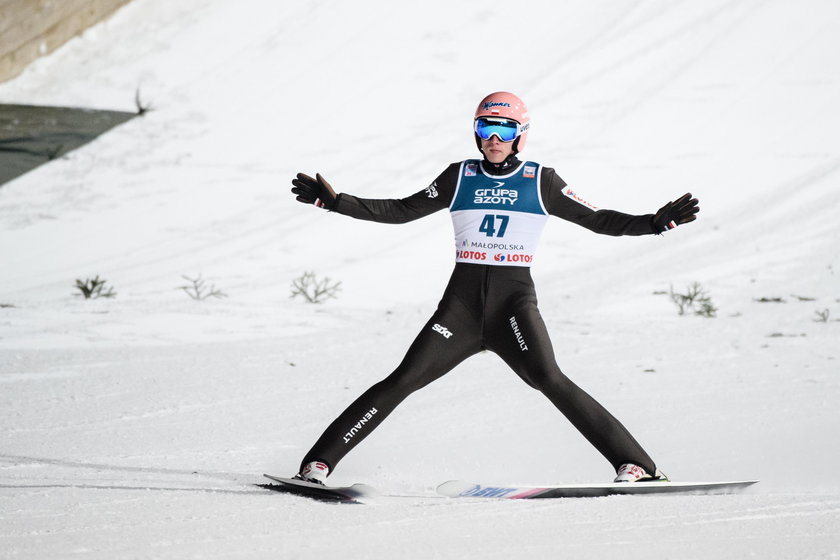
(462, 489)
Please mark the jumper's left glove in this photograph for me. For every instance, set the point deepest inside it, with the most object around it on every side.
(314, 191)
(675, 213)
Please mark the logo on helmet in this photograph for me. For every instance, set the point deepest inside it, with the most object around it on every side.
(491, 104)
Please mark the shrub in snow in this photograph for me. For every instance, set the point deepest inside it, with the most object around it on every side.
(197, 289)
(94, 288)
(142, 108)
(313, 290)
(822, 316)
(696, 299)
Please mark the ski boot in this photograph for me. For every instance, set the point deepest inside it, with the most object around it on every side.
(315, 472)
(629, 472)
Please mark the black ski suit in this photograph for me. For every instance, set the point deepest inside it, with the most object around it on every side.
(485, 307)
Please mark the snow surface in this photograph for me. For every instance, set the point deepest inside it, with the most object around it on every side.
(135, 427)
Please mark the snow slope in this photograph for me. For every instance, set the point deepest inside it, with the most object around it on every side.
(137, 426)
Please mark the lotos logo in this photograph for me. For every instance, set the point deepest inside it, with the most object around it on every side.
(473, 255)
(491, 104)
(513, 258)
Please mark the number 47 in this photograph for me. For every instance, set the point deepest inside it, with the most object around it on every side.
(488, 225)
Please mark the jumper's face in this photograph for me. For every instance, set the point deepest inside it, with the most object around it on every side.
(495, 150)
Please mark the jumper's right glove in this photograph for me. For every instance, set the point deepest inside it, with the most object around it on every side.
(314, 191)
(675, 213)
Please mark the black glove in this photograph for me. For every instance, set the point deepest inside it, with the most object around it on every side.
(314, 191)
(675, 213)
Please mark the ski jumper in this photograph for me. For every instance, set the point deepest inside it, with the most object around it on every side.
(490, 302)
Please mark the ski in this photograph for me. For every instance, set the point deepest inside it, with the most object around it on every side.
(462, 489)
(356, 494)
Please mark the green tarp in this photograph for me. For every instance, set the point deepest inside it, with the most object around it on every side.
(31, 135)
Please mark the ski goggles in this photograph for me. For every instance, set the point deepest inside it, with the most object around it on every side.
(505, 129)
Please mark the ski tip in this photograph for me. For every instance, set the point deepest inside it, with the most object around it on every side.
(276, 478)
(453, 488)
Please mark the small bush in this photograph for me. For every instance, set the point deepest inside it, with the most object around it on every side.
(695, 299)
(313, 290)
(94, 288)
(142, 108)
(822, 316)
(197, 289)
